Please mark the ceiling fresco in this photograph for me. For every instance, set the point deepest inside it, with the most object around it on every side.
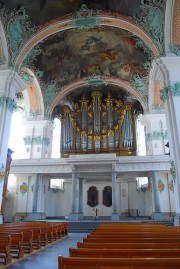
(86, 51)
(102, 51)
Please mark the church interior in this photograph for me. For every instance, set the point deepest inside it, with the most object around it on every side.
(107, 73)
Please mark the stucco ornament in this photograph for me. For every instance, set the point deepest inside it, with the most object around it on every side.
(157, 135)
(173, 170)
(164, 94)
(160, 186)
(175, 89)
(2, 100)
(26, 76)
(27, 140)
(140, 83)
(23, 188)
(11, 104)
(85, 18)
(158, 108)
(18, 28)
(175, 49)
(51, 90)
(171, 185)
(96, 80)
(150, 17)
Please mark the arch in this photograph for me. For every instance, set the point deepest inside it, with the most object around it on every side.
(103, 20)
(83, 82)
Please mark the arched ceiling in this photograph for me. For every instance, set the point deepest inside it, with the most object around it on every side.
(88, 49)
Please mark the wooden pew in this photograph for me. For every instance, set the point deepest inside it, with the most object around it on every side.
(16, 245)
(5, 249)
(117, 263)
(27, 236)
(124, 253)
(128, 245)
(131, 240)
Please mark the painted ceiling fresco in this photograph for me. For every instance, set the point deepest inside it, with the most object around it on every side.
(83, 52)
(80, 53)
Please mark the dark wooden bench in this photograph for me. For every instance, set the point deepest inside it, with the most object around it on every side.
(117, 263)
(122, 253)
(128, 245)
(117, 239)
(5, 249)
(16, 246)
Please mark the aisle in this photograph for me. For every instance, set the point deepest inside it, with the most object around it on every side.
(48, 257)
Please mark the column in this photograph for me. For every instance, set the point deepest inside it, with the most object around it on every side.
(35, 196)
(157, 214)
(74, 214)
(41, 198)
(80, 198)
(115, 213)
(170, 94)
(10, 84)
(35, 214)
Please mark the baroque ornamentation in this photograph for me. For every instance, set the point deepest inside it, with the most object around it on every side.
(18, 28)
(157, 135)
(51, 90)
(173, 170)
(23, 188)
(160, 186)
(150, 17)
(27, 140)
(164, 94)
(35, 114)
(171, 185)
(26, 76)
(96, 81)
(175, 49)
(141, 85)
(11, 104)
(174, 90)
(85, 18)
(37, 140)
(159, 108)
(2, 99)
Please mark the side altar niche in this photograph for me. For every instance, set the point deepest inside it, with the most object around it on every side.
(98, 125)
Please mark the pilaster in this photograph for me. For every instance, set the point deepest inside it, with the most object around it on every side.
(10, 84)
(170, 94)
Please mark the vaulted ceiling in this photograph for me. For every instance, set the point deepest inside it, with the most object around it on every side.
(85, 44)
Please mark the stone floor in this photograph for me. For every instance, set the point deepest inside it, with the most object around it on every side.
(47, 258)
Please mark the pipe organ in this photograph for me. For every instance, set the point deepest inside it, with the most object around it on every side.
(98, 125)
